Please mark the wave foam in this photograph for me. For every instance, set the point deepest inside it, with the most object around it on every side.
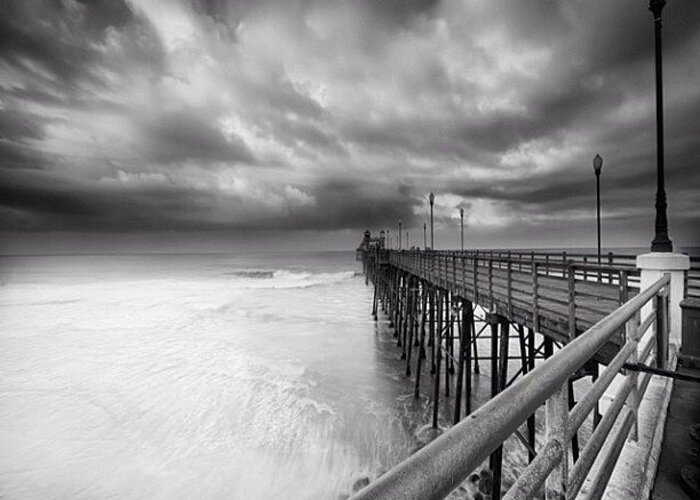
(283, 279)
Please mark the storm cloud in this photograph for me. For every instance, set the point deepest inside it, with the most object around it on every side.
(124, 117)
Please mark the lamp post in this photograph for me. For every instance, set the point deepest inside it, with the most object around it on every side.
(432, 232)
(425, 238)
(597, 167)
(461, 218)
(661, 241)
(399, 234)
(408, 245)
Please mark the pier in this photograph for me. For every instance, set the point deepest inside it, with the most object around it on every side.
(571, 316)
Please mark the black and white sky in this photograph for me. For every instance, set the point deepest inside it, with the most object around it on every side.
(214, 124)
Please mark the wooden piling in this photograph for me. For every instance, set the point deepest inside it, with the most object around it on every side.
(531, 429)
(411, 324)
(421, 352)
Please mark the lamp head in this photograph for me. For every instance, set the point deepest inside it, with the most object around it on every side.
(432, 198)
(597, 164)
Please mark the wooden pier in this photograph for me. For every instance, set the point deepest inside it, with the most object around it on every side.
(583, 312)
(434, 300)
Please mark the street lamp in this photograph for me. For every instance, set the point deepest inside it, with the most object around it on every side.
(425, 239)
(597, 167)
(461, 217)
(661, 241)
(432, 232)
(408, 246)
(399, 234)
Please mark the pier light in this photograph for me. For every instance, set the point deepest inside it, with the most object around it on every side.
(425, 238)
(432, 230)
(597, 167)
(597, 164)
(661, 242)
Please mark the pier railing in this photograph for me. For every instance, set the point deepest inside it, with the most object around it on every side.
(557, 294)
(438, 468)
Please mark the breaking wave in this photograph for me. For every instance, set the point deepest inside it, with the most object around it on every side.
(283, 279)
(251, 274)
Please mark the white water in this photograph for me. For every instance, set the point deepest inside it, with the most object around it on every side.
(190, 376)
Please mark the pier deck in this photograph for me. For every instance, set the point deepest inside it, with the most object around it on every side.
(556, 294)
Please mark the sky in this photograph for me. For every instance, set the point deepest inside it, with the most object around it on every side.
(213, 125)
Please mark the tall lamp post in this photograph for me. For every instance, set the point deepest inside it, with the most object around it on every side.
(661, 241)
(425, 239)
(597, 167)
(399, 234)
(461, 218)
(432, 232)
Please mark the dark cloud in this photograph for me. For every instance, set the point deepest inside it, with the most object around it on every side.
(56, 35)
(215, 115)
(184, 135)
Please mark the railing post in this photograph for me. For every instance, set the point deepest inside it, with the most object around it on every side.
(572, 299)
(510, 290)
(535, 299)
(491, 283)
(563, 264)
(454, 269)
(624, 292)
(661, 310)
(557, 411)
(631, 332)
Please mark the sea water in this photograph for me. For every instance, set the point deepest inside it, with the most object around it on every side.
(201, 376)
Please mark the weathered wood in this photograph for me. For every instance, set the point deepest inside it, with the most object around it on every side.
(556, 415)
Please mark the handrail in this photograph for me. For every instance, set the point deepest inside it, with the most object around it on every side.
(438, 468)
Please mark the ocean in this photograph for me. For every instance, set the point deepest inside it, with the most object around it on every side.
(171, 376)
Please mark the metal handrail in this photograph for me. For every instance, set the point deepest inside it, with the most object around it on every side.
(438, 468)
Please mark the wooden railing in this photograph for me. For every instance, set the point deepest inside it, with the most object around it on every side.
(438, 468)
(551, 293)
